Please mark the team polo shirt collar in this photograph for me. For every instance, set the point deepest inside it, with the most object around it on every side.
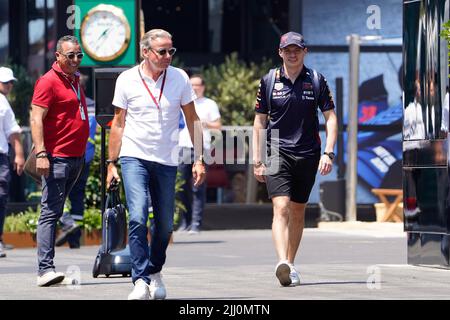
(147, 78)
(59, 71)
(302, 74)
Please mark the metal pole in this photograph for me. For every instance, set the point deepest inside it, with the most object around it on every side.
(352, 129)
(340, 115)
(103, 169)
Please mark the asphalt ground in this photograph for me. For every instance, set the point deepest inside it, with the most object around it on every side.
(335, 262)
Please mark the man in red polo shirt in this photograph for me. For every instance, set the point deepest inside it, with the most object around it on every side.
(60, 129)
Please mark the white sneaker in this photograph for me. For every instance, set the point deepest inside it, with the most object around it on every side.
(140, 291)
(282, 271)
(50, 278)
(157, 288)
(295, 278)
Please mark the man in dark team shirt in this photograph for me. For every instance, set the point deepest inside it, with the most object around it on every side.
(294, 143)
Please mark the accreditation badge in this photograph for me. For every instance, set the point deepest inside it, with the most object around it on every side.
(83, 116)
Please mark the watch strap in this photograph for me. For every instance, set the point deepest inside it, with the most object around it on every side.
(330, 155)
(115, 161)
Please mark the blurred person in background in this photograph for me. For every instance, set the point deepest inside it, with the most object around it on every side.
(194, 197)
(9, 134)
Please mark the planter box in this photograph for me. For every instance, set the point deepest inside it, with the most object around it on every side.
(28, 239)
(20, 239)
(92, 238)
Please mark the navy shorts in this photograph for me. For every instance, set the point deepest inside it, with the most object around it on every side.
(292, 176)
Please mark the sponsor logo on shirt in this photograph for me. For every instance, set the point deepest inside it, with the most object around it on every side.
(258, 97)
(307, 86)
(279, 95)
(278, 86)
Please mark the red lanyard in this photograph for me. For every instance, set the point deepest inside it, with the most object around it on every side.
(149, 92)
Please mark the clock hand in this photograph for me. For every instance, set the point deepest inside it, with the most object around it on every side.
(103, 34)
(102, 41)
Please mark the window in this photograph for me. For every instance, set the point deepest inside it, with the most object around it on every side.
(36, 37)
(329, 22)
(251, 28)
(185, 20)
(51, 34)
(4, 30)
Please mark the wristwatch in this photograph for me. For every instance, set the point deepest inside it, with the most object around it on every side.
(200, 159)
(41, 154)
(258, 164)
(112, 161)
(330, 155)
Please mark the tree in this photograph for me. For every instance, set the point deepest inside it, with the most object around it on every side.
(233, 85)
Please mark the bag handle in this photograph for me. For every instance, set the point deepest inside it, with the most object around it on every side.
(113, 196)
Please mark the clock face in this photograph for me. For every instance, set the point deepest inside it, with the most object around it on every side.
(105, 33)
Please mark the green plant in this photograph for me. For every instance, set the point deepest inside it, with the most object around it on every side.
(93, 185)
(92, 219)
(177, 62)
(31, 219)
(233, 85)
(34, 196)
(23, 221)
(14, 223)
(445, 33)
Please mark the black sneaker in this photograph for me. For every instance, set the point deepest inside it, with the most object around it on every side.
(74, 239)
(62, 237)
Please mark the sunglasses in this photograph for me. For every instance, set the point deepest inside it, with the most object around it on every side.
(72, 55)
(163, 52)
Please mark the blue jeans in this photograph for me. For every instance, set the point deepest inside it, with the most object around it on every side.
(5, 177)
(192, 197)
(142, 178)
(63, 174)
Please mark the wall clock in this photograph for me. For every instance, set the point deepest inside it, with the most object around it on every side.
(105, 32)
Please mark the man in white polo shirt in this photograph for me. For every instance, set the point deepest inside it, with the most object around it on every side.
(194, 197)
(9, 132)
(144, 134)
